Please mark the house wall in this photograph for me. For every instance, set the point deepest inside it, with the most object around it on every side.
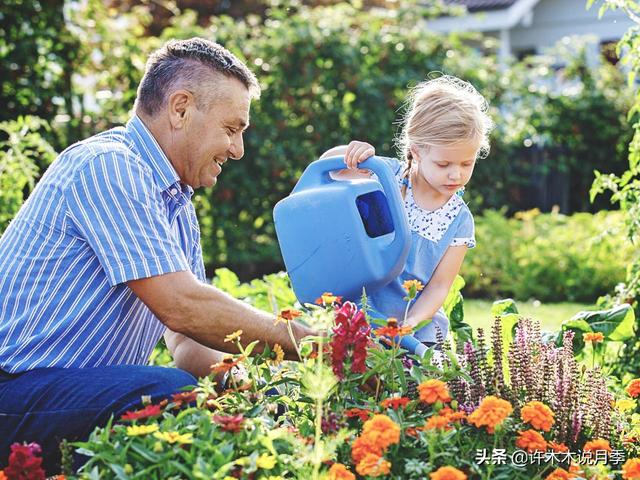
(554, 19)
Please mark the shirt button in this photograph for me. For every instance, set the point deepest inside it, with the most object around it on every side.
(174, 191)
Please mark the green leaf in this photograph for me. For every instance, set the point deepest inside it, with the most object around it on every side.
(616, 324)
(502, 307)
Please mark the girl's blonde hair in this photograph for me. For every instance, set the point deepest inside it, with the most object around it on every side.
(441, 112)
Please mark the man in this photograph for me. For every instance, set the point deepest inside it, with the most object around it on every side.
(105, 256)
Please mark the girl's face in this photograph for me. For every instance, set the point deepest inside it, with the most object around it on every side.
(445, 169)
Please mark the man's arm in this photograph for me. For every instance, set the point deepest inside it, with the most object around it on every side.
(191, 356)
(206, 315)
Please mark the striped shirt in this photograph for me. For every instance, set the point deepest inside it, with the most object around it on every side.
(108, 210)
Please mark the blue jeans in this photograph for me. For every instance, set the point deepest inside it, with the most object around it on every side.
(49, 404)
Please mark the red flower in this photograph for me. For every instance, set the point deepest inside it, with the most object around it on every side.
(230, 423)
(24, 464)
(147, 412)
(351, 333)
(358, 412)
(392, 329)
(394, 402)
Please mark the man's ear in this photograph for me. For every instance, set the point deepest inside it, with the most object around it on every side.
(180, 104)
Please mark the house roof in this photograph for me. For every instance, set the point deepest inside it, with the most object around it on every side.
(482, 5)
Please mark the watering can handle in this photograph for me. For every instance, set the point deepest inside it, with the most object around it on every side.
(317, 173)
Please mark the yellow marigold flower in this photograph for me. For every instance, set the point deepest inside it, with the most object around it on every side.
(381, 432)
(373, 466)
(174, 437)
(233, 336)
(631, 469)
(491, 413)
(278, 355)
(597, 444)
(531, 441)
(624, 405)
(328, 298)
(593, 337)
(633, 389)
(266, 462)
(339, 472)
(412, 287)
(137, 430)
(560, 474)
(448, 473)
(433, 390)
(538, 415)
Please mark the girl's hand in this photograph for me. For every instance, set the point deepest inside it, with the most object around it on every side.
(357, 152)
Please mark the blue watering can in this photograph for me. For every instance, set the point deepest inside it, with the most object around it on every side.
(339, 236)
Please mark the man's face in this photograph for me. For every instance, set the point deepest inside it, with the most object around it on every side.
(212, 136)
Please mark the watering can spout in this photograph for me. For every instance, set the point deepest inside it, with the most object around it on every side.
(340, 236)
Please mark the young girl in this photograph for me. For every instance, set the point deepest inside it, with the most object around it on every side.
(444, 132)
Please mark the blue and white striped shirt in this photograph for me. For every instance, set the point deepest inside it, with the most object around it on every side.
(108, 210)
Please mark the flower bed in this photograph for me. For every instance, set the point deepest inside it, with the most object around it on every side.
(511, 406)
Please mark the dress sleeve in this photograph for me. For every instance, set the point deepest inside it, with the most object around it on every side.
(116, 208)
(465, 234)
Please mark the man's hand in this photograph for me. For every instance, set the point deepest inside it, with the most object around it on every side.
(207, 315)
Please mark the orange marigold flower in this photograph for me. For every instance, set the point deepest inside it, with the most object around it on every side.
(285, 316)
(394, 402)
(413, 431)
(373, 466)
(438, 422)
(363, 446)
(2, 475)
(433, 390)
(631, 469)
(633, 388)
(382, 431)
(531, 441)
(491, 413)
(339, 472)
(560, 474)
(448, 473)
(227, 363)
(597, 444)
(593, 337)
(358, 412)
(392, 329)
(328, 298)
(538, 415)
(558, 447)
(576, 470)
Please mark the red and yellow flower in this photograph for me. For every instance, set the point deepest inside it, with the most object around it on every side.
(394, 402)
(391, 329)
(149, 411)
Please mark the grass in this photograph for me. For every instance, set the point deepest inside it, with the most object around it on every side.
(478, 312)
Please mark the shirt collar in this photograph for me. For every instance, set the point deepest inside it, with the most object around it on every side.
(152, 154)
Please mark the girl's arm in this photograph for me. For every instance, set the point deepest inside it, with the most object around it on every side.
(436, 291)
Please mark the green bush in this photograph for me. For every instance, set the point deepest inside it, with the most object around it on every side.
(22, 148)
(549, 257)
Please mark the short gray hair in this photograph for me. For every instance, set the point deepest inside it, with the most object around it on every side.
(189, 64)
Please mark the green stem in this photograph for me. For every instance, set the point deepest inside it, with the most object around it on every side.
(317, 447)
(295, 343)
